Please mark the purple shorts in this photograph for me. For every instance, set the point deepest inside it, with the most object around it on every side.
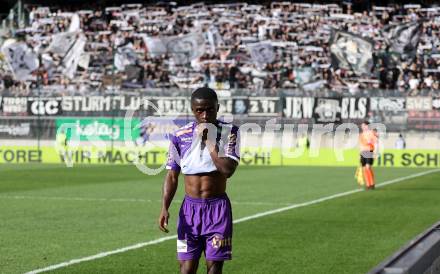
(205, 225)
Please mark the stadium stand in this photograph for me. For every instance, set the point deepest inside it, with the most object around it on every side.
(233, 46)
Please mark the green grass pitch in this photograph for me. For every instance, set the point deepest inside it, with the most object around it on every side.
(52, 214)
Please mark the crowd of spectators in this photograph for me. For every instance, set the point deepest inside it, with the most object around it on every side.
(299, 34)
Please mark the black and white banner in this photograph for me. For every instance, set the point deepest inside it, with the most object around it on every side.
(125, 55)
(183, 48)
(20, 58)
(263, 106)
(186, 48)
(419, 103)
(304, 75)
(69, 46)
(404, 38)
(387, 103)
(44, 107)
(163, 106)
(326, 110)
(404, 103)
(240, 106)
(250, 106)
(73, 56)
(13, 105)
(261, 53)
(436, 103)
(62, 43)
(156, 46)
(214, 38)
(389, 110)
(352, 52)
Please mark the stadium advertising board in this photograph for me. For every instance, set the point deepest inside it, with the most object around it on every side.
(409, 158)
(27, 128)
(15, 129)
(81, 155)
(249, 156)
(93, 129)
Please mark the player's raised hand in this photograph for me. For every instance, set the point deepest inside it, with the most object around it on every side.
(163, 220)
(207, 133)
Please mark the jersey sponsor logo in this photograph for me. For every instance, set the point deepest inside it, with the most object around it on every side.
(182, 246)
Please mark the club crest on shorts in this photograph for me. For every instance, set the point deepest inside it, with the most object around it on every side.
(218, 241)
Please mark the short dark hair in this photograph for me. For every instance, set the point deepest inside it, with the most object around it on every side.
(204, 94)
(366, 122)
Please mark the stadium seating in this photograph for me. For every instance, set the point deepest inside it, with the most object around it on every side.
(131, 44)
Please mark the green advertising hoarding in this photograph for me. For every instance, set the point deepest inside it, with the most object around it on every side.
(93, 129)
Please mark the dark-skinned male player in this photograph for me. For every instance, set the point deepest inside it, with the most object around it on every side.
(207, 153)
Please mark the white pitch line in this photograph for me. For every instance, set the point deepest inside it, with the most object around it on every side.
(130, 200)
(323, 199)
(251, 217)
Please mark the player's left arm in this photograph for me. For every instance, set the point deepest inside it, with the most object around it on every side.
(225, 165)
(229, 157)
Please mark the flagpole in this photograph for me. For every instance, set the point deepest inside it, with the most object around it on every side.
(39, 99)
(112, 96)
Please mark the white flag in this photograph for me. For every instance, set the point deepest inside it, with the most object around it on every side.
(261, 53)
(183, 49)
(84, 60)
(214, 38)
(125, 55)
(62, 42)
(71, 60)
(186, 48)
(352, 52)
(74, 23)
(20, 58)
(155, 45)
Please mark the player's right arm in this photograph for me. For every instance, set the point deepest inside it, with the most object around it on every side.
(170, 184)
(168, 191)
